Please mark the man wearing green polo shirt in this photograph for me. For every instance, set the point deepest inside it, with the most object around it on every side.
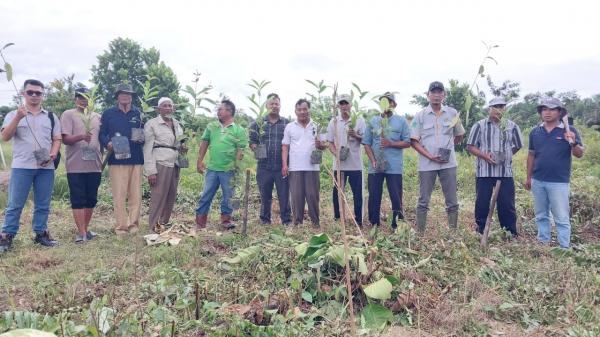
(225, 142)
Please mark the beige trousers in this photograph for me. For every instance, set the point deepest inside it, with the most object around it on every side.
(163, 195)
(126, 186)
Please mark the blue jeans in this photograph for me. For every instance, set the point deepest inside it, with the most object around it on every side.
(552, 197)
(21, 181)
(212, 180)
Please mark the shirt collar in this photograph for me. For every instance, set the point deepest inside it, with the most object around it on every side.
(429, 109)
(560, 125)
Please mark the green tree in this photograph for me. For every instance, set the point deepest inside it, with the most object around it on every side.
(126, 61)
(60, 94)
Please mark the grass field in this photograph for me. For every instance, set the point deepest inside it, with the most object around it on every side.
(224, 284)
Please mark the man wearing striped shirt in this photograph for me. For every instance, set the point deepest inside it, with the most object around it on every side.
(493, 142)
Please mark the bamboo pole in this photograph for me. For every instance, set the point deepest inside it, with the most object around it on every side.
(340, 191)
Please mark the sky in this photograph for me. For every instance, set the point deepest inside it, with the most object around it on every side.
(398, 46)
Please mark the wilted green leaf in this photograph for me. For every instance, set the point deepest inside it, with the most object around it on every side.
(243, 255)
(380, 290)
(375, 316)
(27, 333)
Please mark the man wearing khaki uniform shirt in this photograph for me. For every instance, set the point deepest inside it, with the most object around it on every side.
(161, 150)
(433, 128)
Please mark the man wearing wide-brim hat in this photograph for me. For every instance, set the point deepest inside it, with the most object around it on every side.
(551, 146)
(493, 141)
(124, 119)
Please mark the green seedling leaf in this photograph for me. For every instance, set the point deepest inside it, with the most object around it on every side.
(375, 316)
(9, 71)
(379, 290)
(481, 69)
(315, 243)
(27, 333)
(336, 254)
(243, 255)
(307, 296)
(384, 104)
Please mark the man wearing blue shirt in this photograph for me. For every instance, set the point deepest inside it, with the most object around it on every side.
(125, 174)
(385, 138)
(551, 146)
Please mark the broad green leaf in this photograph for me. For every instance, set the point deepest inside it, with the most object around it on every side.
(9, 71)
(301, 248)
(393, 280)
(316, 242)
(27, 333)
(375, 316)
(243, 255)
(105, 318)
(307, 296)
(336, 254)
(379, 290)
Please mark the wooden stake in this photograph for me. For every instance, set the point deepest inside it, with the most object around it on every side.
(488, 222)
(245, 215)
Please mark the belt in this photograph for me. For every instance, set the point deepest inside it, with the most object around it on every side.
(165, 147)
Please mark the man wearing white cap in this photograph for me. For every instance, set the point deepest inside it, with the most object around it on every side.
(161, 149)
(493, 142)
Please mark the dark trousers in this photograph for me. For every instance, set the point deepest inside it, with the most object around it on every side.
(265, 179)
(375, 187)
(505, 203)
(355, 180)
(304, 188)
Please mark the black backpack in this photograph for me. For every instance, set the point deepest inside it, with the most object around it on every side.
(57, 159)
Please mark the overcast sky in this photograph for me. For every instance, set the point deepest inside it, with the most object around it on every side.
(381, 45)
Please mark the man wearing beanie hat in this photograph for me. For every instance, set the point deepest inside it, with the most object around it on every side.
(493, 142)
(83, 161)
(551, 146)
(435, 131)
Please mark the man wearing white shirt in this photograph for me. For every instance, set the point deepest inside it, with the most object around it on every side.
(299, 140)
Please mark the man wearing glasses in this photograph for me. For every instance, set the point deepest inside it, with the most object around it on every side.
(35, 145)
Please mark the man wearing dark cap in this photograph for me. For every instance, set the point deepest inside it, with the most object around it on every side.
(494, 141)
(551, 146)
(435, 131)
(386, 137)
(80, 129)
(125, 120)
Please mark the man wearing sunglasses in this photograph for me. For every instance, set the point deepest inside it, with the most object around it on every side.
(35, 145)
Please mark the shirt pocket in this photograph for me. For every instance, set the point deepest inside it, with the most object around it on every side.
(428, 130)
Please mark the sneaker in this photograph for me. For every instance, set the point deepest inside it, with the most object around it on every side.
(80, 239)
(5, 241)
(90, 235)
(45, 239)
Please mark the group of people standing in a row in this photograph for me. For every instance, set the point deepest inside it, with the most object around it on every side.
(286, 160)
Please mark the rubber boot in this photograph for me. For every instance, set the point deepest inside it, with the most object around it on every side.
(421, 221)
(226, 221)
(453, 220)
(201, 220)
